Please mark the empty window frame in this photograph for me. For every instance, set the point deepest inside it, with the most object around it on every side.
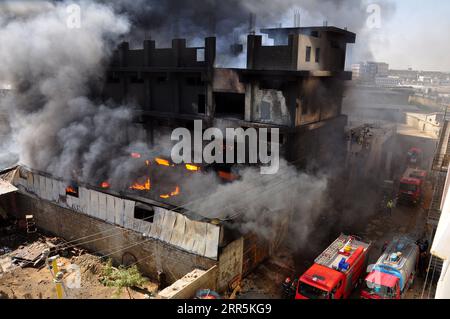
(308, 54)
(161, 79)
(135, 79)
(317, 55)
(144, 213)
(200, 55)
(230, 104)
(202, 103)
(194, 81)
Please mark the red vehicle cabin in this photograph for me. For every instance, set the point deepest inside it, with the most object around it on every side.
(411, 186)
(336, 272)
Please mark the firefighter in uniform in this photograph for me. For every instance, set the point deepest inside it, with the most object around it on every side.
(390, 206)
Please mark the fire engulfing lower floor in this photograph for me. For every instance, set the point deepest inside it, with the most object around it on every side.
(162, 241)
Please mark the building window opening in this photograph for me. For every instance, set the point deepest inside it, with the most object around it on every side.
(194, 81)
(202, 104)
(161, 79)
(73, 190)
(111, 79)
(200, 55)
(144, 213)
(308, 54)
(137, 80)
(230, 104)
(317, 55)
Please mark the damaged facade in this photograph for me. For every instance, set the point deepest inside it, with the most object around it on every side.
(295, 85)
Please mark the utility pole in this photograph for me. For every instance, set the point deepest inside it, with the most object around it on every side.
(52, 265)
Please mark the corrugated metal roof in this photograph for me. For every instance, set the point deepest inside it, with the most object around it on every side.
(174, 228)
(6, 187)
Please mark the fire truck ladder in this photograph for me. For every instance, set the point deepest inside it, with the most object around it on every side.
(330, 254)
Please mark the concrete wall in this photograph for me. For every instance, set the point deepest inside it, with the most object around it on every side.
(187, 287)
(179, 55)
(230, 264)
(423, 123)
(319, 144)
(318, 100)
(152, 255)
(150, 77)
(270, 105)
(424, 101)
(332, 53)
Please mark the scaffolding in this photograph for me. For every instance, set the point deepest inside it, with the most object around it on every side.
(439, 169)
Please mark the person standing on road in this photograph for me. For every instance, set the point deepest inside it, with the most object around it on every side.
(390, 206)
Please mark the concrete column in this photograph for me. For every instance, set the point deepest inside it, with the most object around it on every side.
(149, 46)
(210, 51)
(253, 43)
(177, 47)
(123, 53)
(210, 103)
(249, 102)
(294, 44)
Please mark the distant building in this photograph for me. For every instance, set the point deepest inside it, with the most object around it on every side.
(389, 81)
(369, 71)
(382, 69)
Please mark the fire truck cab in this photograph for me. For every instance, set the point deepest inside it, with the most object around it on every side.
(411, 186)
(336, 272)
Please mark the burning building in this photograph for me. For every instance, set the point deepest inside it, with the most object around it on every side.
(133, 229)
(295, 85)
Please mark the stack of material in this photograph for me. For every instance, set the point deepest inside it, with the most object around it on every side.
(31, 224)
(31, 255)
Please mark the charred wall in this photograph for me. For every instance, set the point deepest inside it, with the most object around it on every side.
(152, 255)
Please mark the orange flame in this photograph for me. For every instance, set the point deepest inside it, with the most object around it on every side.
(228, 176)
(192, 168)
(176, 192)
(162, 162)
(142, 187)
(71, 190)
(105, 185)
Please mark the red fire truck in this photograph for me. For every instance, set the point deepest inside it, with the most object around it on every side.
(337, 271)
(411, 186)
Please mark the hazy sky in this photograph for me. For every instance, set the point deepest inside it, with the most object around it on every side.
(417, 36)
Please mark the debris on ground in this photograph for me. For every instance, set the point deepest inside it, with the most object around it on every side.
(24, 274)
(31, 255)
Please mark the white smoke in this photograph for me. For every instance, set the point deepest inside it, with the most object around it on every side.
(258, 203)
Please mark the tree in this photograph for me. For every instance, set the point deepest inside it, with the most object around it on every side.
(121, 278)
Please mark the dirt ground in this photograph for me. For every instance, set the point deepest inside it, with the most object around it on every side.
(37, 283)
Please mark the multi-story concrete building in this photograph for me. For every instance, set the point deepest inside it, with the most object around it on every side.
(295, 85)
(369, 71)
